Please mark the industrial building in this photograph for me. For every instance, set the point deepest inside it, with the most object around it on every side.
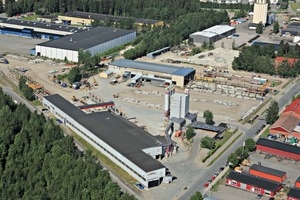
(297, 183)
(291, 29)
(86, 18)
(267, 173)
(288, 123)
(213, 34)
(294, 194)
(253, 183)
(126, 144)
(260, 12)
(9, 26)
(95, 40)
(178, 76)
(278, 148)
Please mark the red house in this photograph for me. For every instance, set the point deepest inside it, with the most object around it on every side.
(294, 194)
(267, 173)
(288, 120)
(280, 60)
(278, 148)
(297, 184)
(253, 183)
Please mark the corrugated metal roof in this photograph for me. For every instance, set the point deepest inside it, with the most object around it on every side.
(204, 126)
(254, 181)
(87, 39)
(267, 170)
(215, 30)
(125, 63)
(184, 71)
(123, 136)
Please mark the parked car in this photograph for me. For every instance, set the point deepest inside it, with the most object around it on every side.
(209, 181)
(221, 169)
(58, 121)
(139, 186)
(206, 185)
(259, 196)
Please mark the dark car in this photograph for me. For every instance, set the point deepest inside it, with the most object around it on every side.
(259, 196)
(221, 169)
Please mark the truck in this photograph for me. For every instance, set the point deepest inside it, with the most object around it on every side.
(4, 60)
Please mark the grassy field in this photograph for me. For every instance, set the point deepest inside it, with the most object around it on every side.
(105, 160)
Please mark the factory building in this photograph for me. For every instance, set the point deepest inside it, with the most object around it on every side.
(213, 34)
(178, 76)
(253, 183)
(267, 173)
(294, 194)
(86, 18)
(9, 26)
(126, 144)
(278, 148)
(95, 40)
(260, 12)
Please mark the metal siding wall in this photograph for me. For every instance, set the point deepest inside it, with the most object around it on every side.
(278, 152)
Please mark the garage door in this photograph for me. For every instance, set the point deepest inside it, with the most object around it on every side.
(153, 183)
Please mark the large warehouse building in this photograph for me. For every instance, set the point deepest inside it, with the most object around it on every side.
(213, 34)
(32, 29)
(268, 173)
(94, 40)
(126, 144)
(178, 76)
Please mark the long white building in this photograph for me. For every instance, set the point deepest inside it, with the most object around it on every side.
(126, 144)
(95, 40)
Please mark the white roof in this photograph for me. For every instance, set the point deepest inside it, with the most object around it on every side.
(215, 30)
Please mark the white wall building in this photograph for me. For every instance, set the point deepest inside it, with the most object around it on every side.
(129, 146)
(95, 40)
(260, 12)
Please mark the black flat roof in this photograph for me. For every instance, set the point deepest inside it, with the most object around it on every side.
(298, 179)
(268, 170)
(42, 25)
(204, 126)
(97, 16)
(254, 181)
(86, 39)
(278, 145)
(123, 136)
(294, 192)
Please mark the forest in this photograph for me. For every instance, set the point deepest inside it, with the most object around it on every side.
(261, 59)
(38, 162)
(154, 9)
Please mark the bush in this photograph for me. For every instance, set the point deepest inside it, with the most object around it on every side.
(208, 143)
(190, 133)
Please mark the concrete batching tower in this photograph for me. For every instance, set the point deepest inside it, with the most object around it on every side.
(260, 12)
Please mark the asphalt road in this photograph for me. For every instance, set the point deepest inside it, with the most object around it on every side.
(208, 172)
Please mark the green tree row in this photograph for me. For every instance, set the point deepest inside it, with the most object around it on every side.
(38, 162)
(154, 9)
(261, 59)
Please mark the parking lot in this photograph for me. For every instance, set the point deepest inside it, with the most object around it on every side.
(17, 45)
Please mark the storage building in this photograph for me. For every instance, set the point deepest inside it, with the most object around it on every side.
(253, 183)
(213, 34)
(126, 144)
(32, 29)
(267, 173)
(294, 194)
(278, 148)
(291, 29)
(95, 40)
(178, 76)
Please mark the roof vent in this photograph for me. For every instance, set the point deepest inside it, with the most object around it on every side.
(71, 39)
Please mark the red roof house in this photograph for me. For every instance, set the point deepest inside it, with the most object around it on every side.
(293, 107)
(279, 60)
(294, 194)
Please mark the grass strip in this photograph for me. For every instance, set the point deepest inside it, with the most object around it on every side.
(220, 154)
